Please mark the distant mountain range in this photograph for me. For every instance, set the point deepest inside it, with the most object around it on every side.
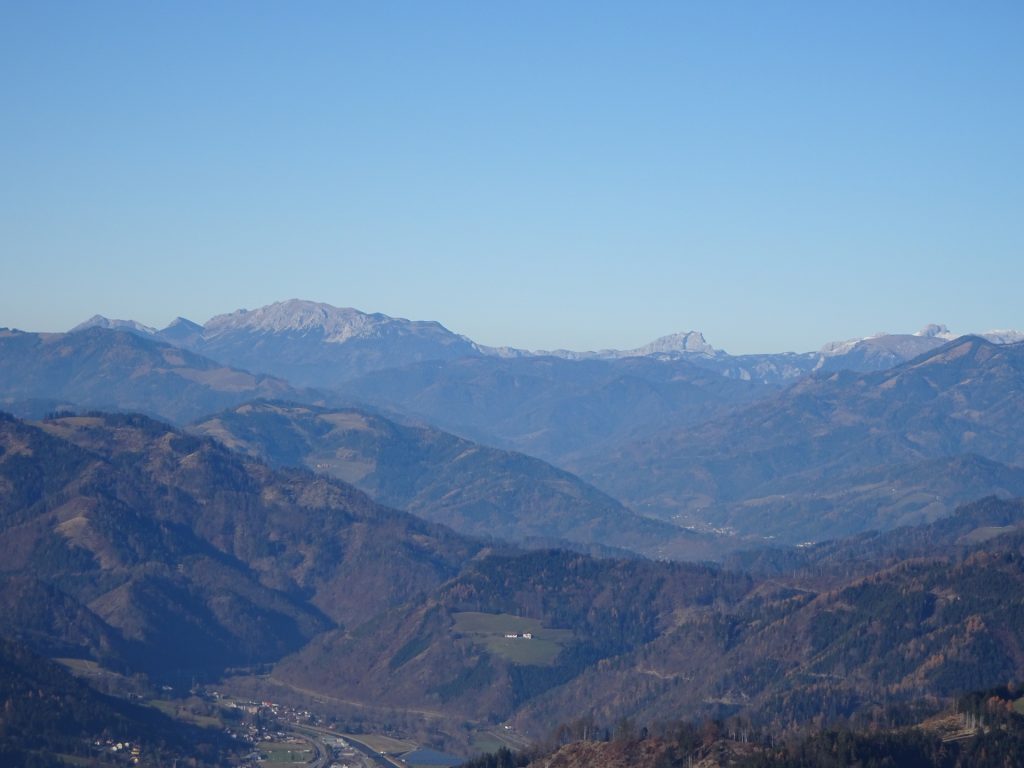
(381, 516)
(840, 452)
(309, 344)
(476, 489)
(317, 345)
(551, 407)
(801, 446)
(873, 432)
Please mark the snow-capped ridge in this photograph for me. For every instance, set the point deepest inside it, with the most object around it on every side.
(1005, 336)
(301, 339)
(182, 322)
(337, 324)
(99, 321)
(931, 331)
(834, 348)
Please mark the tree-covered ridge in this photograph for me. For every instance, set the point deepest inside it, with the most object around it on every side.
(120, 370)
(133, 544)
(171, 552)
(982, 728)
(475, 489)
(605, 608)
(787, 653)
(840, 560)
(991, 736)
(838, 453)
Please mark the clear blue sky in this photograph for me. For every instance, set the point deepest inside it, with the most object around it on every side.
(581, 175)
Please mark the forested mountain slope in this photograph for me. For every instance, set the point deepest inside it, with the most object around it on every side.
(120, 370)
(839, 453)
(474, 489)
(167, 552)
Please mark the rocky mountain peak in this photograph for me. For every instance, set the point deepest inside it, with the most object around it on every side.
(688, 342)
(182, 322)
(336, 323)
(181, 332)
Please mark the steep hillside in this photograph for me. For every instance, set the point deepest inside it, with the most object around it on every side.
(550, 407)
(649, 640)
(820, 504)
(450, 653)
(121, 370)
(169, 552)
(126, 541)
(837, 560)
(982, 730)
(473, 489)
(839, 453)
(788, 653)
(52, 719)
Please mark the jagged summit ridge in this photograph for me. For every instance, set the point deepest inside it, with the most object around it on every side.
(316, 344)
(338, 324)
(690, 342)
(291, 315)
(673, 345)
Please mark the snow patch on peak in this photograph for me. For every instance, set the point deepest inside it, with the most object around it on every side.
(1006, 336)
(99, 321)
(930, 331)
(507, 353)
(334, 325)
(834, 348)
(182, 322)
(337, 324)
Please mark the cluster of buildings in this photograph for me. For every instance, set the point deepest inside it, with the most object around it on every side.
(126, 748)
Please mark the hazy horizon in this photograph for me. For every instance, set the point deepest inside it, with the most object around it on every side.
(574, 176)
(160, 325)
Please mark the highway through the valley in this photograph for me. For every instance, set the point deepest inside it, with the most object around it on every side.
(320, 736)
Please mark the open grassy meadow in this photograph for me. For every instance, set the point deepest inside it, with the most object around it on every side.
(285, 752)
(490, 630)
(181, 710)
